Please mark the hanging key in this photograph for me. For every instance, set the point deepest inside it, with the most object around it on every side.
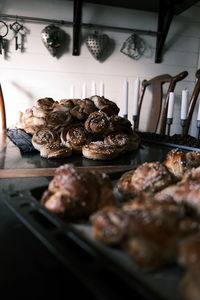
(16, 43)
(1, 44)
(4, 30)
(16, 27)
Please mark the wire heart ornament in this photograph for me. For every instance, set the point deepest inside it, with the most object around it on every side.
(52, 37)
(97, 44)
(134, 47)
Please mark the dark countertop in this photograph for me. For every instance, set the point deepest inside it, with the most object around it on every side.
(26, 264)
(12, 158)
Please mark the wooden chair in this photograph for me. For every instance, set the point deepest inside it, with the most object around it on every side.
(159, 105)
(192, 102)
(2, 112)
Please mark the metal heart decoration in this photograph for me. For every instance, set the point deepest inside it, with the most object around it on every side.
(52, 37)
(133, 47)
(97, 44)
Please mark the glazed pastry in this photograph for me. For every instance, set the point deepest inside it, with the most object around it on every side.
(58, 119)
(120, 139)
(189, 258)
(63, 105)
(192, 159)
(105, 105)
(178, 162)
(100, 151)
(148, 177)
(190, 284)
(151, 243)
(186, 191)
(75, 195)
(109, 225)
(97, 122)
(43, 137)
(75, 136)
(145, 231)
(84, 108)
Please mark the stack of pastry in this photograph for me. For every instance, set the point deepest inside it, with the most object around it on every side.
(159, 221)
(91, 127)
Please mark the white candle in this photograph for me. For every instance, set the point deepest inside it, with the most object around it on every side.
(101, 89)
(72, 92)
(198, 114)
(170, 106)
(84, 90)
(94, 90)
(136, 96)
(125, 99)
(184, 104)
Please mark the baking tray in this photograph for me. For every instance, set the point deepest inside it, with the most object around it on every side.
(170, 145)
(104, 269)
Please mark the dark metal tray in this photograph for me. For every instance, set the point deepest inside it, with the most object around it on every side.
(105, 269)
(170, 145)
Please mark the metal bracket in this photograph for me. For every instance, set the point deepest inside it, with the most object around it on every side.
(77, 26)
(165, 16)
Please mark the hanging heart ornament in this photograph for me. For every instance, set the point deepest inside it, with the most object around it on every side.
(97, 44)
(52, 37)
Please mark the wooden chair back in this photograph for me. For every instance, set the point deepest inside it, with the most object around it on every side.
(192, 102)
(159, 104)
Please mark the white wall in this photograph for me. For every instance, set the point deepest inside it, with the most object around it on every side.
(35, 74)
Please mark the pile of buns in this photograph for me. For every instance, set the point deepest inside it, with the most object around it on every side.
(91, 127)
(158, 224)
(156, 220)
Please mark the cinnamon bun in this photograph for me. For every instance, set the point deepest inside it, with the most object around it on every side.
(58, 119)
(75, 195)
(43, 137)
(97, 122)
(75, 137)
(118, 123)
(63, 105)
(100, 151)
(43, 107)
(105, 105)
(28, 122)
(55, 150)
(128, 142)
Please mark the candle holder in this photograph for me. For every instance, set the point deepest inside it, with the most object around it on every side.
(183, 123)
(169, 123)
(125, 116)
(134, 118)
(198, 129)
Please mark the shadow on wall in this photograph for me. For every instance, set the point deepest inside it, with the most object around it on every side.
(22, 90)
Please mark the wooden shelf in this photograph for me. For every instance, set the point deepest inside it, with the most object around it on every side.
(166, 10)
